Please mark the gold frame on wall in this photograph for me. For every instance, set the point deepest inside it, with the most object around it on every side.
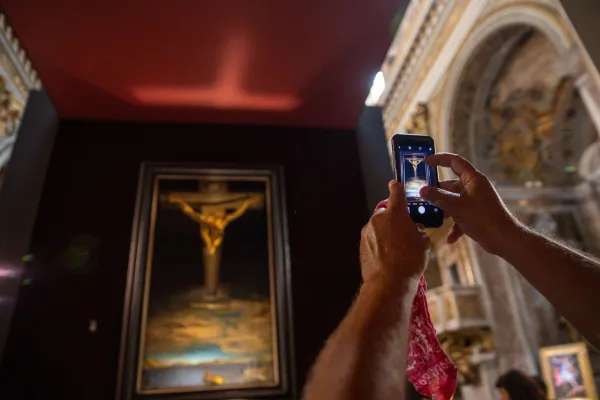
(139, 278)
(583, 359)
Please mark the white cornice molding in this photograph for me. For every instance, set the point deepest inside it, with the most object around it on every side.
(402, 44)
(436, 73)
(420, 40)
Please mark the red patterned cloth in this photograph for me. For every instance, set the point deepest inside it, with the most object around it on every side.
(428, 368)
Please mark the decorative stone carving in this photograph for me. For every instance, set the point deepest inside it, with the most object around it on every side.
(14, 64)
(10, 110)
(525, 140)
(514, 117)
(440, 21)
(466, 93)
(462, 326)
(17, 78)
(419, 121)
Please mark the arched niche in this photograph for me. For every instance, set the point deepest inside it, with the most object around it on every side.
(517, 115)
(480, 59)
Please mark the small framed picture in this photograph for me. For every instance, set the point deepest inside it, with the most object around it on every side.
(567, 372)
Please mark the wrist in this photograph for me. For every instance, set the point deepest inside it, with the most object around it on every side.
(397, 285)
(509, 239)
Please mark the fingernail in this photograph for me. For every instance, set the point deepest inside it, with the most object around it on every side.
(424, 192)
(421, 227)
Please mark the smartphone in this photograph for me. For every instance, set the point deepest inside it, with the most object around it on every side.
(409, 152)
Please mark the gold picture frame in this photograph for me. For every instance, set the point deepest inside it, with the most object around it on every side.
(567, 372)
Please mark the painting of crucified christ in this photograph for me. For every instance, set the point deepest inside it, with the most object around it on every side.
(415, 174)
(211, 318)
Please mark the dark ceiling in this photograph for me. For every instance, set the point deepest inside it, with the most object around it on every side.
(292, 62)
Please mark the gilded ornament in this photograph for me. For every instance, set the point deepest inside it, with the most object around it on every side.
(419, 121)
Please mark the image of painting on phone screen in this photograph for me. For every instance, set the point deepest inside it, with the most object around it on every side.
(415, 173)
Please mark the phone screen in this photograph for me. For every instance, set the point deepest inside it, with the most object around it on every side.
(414, 174)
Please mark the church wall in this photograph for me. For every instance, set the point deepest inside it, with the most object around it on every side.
(91, 189)
(457, 70)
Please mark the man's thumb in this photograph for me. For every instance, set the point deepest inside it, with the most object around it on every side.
(443, 199)
(397, 195)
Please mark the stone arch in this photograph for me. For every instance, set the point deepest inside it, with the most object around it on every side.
(499, 22)
(466, 115)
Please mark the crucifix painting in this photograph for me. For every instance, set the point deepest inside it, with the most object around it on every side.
(214, 207)
(415, 173)
(209, 315)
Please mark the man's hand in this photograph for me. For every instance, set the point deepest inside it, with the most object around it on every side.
(372, 340)
(393, 248)
(472, 202)
(570, 280)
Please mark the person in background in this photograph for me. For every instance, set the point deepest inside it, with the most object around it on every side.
(542, 385)
(412, 394)
(514, 385)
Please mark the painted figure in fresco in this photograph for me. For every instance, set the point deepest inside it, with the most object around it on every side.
(528, 139)
(566, 377)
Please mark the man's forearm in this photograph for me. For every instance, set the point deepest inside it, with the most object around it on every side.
(365, 358)
(568, 279)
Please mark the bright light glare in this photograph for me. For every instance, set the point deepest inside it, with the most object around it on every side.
(376, 90)
(9, 272)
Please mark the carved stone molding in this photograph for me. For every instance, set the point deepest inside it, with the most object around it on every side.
(17, 78)
(412, 21)
(14, 60)
(414, 67)
(419, 121)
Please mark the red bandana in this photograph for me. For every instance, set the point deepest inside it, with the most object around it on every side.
(428, 368)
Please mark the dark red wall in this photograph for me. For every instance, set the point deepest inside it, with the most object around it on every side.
(90, 190)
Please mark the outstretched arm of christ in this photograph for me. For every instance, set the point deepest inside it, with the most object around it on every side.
(219, 223)
(237, 213)
(193, 214)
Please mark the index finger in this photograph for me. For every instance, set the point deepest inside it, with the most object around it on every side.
(453, 161)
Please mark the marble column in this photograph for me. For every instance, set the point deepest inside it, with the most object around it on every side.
(512, 330)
